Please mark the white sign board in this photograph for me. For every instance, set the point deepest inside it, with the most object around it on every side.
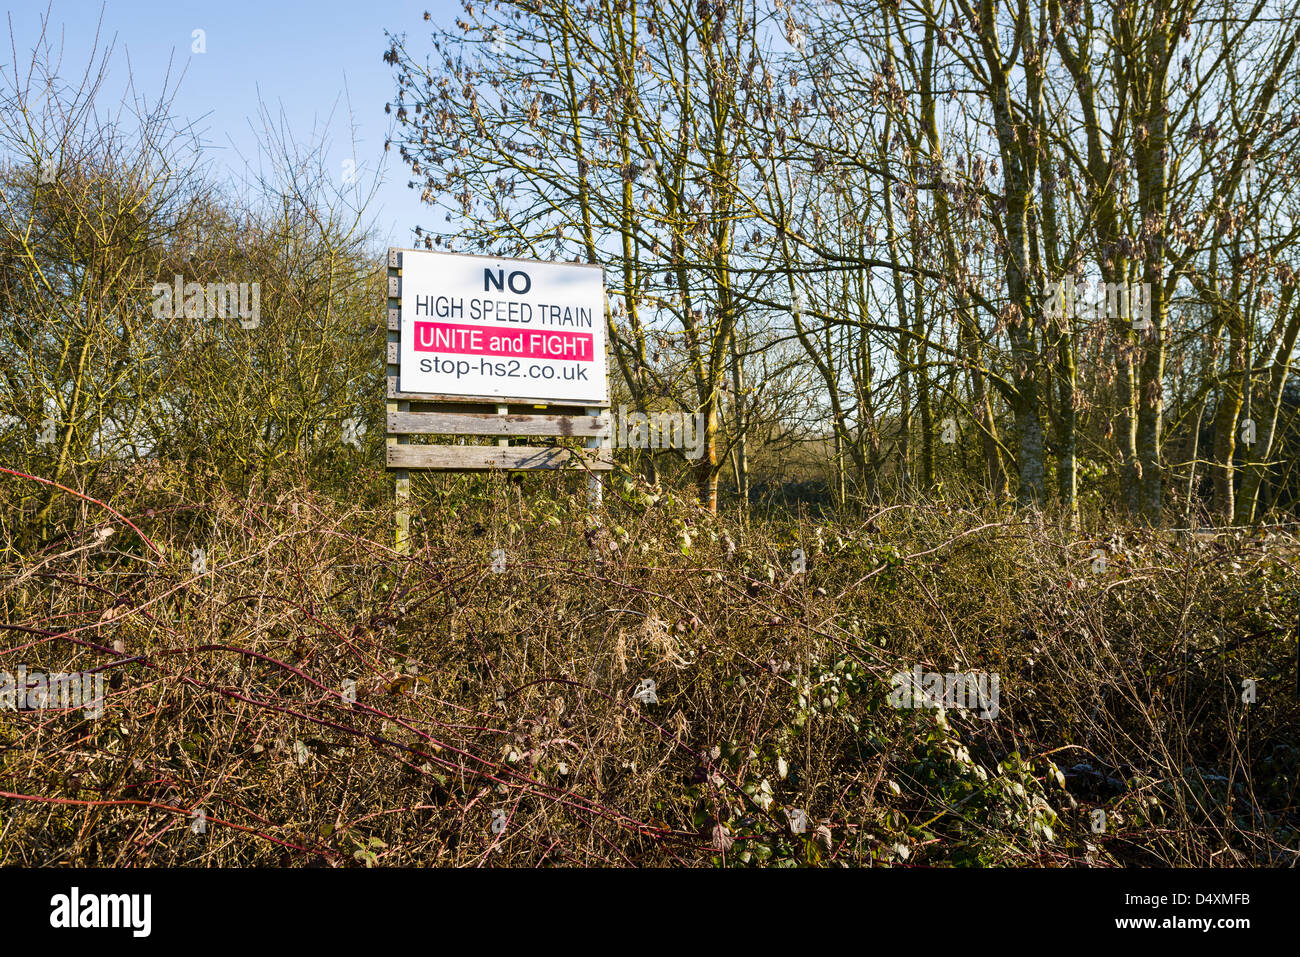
(506, 328)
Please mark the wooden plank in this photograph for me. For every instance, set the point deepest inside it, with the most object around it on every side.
(487, 457)
(401, 477)
(396, 394)
(489, 408)
(480, 423)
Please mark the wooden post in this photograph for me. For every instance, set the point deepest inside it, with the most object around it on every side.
(595, 484)
(401, 477)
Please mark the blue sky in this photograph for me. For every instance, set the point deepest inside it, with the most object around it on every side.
(310, 59)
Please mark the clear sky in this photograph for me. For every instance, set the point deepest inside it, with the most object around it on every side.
(312, 60)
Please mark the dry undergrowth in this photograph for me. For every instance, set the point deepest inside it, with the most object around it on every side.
(304, 696)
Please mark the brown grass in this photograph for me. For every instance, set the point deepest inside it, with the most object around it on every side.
(495, 719)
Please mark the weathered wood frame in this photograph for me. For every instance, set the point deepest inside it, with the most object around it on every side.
(418, 413)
